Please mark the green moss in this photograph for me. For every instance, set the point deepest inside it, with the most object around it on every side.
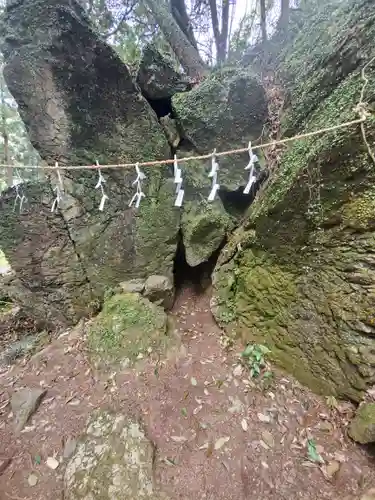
(127, 327)
(156, 227)
(304, 287)
(227, 110)
(204, 227)
(362, 427)
(359, 213)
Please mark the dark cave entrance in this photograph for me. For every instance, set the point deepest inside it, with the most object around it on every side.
(236, 202)
(162, 107)
(198, 277)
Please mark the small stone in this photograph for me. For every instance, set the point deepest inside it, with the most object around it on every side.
(159, 289)
(244, 425)
(332, 468)
(24, 403)
(52, 463)
(32, 480)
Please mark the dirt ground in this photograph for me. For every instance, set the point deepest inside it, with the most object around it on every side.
(218, 435)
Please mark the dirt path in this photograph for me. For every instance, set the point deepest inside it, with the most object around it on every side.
(189, 404)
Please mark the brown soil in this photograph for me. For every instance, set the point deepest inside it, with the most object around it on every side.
(188, 402)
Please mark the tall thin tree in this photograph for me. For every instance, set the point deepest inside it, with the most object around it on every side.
(4, 129)
(263, 20)
(186, 53)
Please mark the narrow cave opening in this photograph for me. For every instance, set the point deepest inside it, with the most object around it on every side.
(236, 202)
(162, 107)
(198, 277)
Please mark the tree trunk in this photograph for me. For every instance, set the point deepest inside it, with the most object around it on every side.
(283, 21)
(220, 35)
(187, 55)
(4, 132)
(179, 12)
(263, 20)
(224, 30)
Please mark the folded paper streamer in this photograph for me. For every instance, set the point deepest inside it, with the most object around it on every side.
(178, 181)
(213, 175)
(100, 186)
(139, 194)
(250, 166)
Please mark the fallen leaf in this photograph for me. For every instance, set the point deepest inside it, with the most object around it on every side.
(32, 480)
(184, 412)
(179, 439)
(197, 410)
(210, 449)
(244, 424)
(4, 463)
(264, 445)
(340, 457)
(221, 442)
(193, 381)
(264, 418)
(169, 461)
(237, 372)
(268, 439)
(74, 402)
(52, 463)
(311, 465)
(312, 452)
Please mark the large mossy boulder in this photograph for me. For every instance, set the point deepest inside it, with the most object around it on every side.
(226, 111)
(204, 227)
(300, 273)
(113, 460)
(128, 328)
(157, 76)
(80, 105)
(362, 427)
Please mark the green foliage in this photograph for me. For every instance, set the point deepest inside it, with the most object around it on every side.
(242, 36)
(254, 358)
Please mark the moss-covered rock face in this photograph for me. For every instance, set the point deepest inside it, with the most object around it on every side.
(47, 279)
(113, 460)
(362, 427)
(226, 111)
(80, 105)
(299, 276)
(128, 328)
(157, 74)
